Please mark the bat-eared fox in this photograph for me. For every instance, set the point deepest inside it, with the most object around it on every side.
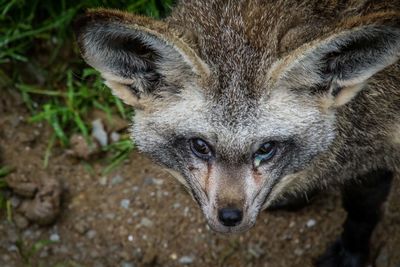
(251, 102)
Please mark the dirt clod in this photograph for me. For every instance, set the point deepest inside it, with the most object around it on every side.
(22, 185)
(81, 226)
(45, 206)
(20, 221)
(81, 148)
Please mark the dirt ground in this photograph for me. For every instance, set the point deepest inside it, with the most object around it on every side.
(140, 216)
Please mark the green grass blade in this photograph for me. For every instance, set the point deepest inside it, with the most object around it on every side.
(4, 171)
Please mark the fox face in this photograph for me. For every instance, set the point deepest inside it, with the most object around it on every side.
(226, 114)
(227, 159)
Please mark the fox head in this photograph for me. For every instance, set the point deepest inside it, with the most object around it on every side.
(222, 109)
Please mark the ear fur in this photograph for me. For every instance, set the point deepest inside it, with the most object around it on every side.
(339, 66)
(137, 56)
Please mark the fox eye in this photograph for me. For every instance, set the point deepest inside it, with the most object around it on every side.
(200, 148)
(264, 153)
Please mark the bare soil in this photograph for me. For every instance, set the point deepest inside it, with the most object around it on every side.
(140, 216)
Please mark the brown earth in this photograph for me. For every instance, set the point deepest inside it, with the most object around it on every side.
(140, 216)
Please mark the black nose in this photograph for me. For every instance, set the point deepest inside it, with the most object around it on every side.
(230, 216)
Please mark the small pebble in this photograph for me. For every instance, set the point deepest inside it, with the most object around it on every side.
(125, 203)
(127, 264)
(110, 216)
(176, 205)
(94, 254)
(117, 179)
(12, 248)
(135, 189)
(256, 251)
(110, 228)
(6, 257)
(63, 250)
(103, 181)
(115, 137)
(91, 234)
(99, 133)
(186, 260)
(158, 182)
(186, 211)
(15, 201)
(148, 181)
(311, 223)
(28, 234)
(153, 181)
(146, 222)
(55, 237)
(298, 252)
(81, 226)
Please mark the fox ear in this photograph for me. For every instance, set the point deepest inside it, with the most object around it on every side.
(137, 56)
(339, 66)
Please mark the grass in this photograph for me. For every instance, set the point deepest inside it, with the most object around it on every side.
(67, 109)
(39, 58)
(26, 21)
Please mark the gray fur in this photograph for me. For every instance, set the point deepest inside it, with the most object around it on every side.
(321, 78)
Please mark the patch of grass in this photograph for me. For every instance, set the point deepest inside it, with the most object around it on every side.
(24, 22)
(68, 108)
(39, 58)
(120, 151)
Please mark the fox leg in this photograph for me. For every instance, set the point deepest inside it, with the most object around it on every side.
(363, 202)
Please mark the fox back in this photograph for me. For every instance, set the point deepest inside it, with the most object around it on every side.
(245, 102)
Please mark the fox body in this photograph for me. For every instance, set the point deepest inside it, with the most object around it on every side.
(249, 102)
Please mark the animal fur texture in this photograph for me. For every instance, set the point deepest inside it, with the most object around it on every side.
(319, 80)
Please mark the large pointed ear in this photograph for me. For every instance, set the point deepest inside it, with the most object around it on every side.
(339, 66)
(139, 57)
